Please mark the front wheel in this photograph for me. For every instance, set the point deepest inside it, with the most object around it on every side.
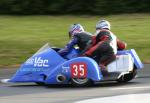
(81, 82)
(127, 77)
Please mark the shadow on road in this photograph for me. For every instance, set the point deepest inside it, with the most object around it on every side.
(68, 86)
(98, 85)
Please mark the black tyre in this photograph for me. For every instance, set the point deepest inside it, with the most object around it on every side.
(127, 77)
(81, 82)
(40, 83)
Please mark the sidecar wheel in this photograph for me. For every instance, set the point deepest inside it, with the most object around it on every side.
(81, 82)
(127, 77)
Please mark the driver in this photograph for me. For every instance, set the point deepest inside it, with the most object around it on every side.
(104, 45)
(78, 37)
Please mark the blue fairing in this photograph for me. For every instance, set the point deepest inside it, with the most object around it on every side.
(35, 68)
(72, 54)
(46, 65)
(137, 61)
(93, 69)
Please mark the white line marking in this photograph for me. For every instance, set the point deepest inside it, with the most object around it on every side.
(130, 98)
(125, 88)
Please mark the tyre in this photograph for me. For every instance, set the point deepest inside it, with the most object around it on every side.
(40, 83)
(127, 77)
(81, 82)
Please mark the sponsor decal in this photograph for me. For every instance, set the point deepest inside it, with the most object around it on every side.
(79, 70)
(65, 69)
(37, 62)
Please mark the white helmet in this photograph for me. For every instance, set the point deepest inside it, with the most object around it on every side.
(103, 24)
(75, 28)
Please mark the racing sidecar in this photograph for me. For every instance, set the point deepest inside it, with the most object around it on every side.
(46, 66)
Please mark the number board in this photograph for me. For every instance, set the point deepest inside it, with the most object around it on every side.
(79, 70)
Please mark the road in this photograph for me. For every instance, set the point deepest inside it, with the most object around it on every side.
(32, 93)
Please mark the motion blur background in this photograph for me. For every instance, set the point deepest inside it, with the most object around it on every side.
(73, 6)
(26, 25)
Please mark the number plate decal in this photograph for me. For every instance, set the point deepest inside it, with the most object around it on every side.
(78, 70)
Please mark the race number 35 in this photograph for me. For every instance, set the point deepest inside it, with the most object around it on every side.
(78, 70)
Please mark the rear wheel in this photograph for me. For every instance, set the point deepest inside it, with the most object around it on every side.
(81, 82)
(127, 77)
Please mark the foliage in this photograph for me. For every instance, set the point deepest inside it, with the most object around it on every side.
(73, 6)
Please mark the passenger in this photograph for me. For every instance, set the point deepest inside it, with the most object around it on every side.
(104, 45)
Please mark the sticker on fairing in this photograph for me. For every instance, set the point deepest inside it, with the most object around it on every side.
(37, 62)
(79, 70)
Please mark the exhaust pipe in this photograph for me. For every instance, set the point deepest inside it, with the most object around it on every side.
(60, 78)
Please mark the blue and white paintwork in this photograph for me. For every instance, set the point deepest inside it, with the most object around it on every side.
(47, 64)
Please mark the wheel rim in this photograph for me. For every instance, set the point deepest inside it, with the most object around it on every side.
(80, 81)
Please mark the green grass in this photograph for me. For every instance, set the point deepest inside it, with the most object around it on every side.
(21, 36)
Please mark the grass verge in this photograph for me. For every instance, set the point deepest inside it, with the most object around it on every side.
(22, 36)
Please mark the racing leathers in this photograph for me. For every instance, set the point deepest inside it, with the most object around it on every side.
(104, 47)
(80, 39)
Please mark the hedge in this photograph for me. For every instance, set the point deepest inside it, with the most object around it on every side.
(73, 6)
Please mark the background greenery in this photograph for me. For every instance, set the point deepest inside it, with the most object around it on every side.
(73, 6)
(22, 36)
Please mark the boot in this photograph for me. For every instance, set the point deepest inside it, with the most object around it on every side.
(103, 70)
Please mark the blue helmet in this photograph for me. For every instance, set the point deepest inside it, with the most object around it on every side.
(75, 28)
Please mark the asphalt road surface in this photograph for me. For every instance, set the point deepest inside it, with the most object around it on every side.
(32, 93)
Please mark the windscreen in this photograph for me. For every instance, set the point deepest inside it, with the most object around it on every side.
(43, 49)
